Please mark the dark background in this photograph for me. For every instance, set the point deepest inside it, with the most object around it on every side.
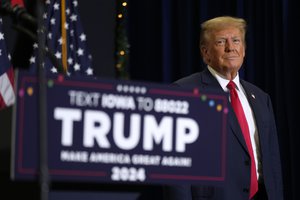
(163, 37)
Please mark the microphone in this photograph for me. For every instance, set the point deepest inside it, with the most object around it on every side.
(18, 12)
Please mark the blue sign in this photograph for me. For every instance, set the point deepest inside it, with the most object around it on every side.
(104, 130)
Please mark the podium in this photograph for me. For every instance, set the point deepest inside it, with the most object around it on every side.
(120, 132)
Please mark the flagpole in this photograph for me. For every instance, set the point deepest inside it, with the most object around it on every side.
(43, 161)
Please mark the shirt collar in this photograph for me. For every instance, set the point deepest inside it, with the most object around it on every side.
(222, 80)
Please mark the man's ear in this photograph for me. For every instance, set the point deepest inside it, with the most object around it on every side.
(203, 50)
(204, 54)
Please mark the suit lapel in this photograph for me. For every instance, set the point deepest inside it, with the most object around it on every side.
(235, 127)
(209, 81)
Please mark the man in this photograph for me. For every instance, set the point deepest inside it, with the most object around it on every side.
(253, 168)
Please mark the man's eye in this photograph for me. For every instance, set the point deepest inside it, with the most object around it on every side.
(220, 42)
(236, 41)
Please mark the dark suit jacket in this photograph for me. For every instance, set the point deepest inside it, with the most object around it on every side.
(237, 181)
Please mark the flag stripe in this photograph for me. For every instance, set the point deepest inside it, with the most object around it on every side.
(6, 88)
(19, 2)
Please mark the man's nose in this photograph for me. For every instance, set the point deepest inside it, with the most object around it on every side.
(229, 46)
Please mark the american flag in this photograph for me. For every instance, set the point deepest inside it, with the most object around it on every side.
(7, 94)
(73, 54)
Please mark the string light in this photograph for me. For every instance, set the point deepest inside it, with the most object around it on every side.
(121, 41)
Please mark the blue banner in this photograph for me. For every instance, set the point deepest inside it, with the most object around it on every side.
(104, 130)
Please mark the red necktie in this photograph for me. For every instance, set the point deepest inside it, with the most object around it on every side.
(238, 109)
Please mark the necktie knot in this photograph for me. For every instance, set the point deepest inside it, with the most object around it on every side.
(231, 85)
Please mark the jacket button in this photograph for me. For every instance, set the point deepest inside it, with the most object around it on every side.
(246, 190)
(247, 162)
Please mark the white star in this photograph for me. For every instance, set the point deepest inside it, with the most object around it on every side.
(82, 37)
(1, 36)
(52, 21)
(73, 17)
(76, 67)
(66, 26)
(80, 52)
(45, 16)
(56, 6)
(75, 3)
(60, 41)
(70, 61)
(32, 60)
(35, 45)
(89, 71)
(53, 69)
(58, 55)
(0, 52)
(9, 57)
(47, 1)
(67, 11)
(49, 35)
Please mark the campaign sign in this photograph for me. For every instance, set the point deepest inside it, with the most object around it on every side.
(104, 130)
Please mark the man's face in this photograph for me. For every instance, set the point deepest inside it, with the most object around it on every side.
(225, 51)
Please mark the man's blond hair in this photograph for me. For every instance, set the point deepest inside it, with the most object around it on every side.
(220, 23)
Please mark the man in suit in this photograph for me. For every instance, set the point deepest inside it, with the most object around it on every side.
(222, 45)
